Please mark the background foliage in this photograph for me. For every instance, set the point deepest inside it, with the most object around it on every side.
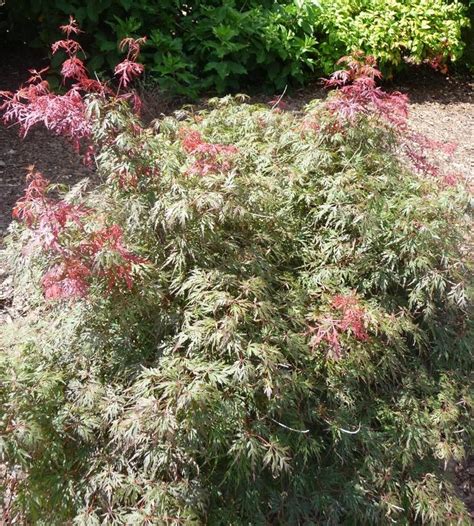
(214, 45)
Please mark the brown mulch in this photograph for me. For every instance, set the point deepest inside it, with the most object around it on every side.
(441, 108)
(463, 478)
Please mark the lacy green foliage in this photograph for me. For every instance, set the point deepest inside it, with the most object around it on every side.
(195, 46)
(203, 394)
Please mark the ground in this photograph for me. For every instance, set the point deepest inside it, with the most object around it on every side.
(441, 107)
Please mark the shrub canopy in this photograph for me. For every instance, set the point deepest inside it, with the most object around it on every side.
(259, 317)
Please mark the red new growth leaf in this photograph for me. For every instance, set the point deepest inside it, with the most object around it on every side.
(61, 114)
(47, 218)
(127, 70)
(56, 224)
(452, 179)
(36, 76)
(66, 114)
(31, 205)
(101, 253)
(190, 140)
(53, 221)
(71, 29)
(73, 68)
(358, 93)
(71, 47)
(66, 280)
(358, 66)
(110, 241)
(209, 157)
(133, 45)
(352, 321)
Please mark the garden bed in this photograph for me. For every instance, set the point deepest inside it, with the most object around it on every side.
(441, 108)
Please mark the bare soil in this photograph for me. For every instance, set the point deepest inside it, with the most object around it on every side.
(442, 108)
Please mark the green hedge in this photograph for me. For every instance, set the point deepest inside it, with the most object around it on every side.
(468, 38)
(212, 45)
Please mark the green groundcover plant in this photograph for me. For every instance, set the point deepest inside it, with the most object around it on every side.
(197, 46)
(258, 317)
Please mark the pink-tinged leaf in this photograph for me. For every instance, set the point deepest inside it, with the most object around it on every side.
(209, 157)
(36, 76)
(127, 71)
(73, 68)
(69, 46)
(133, 46)
(66, 280)
(72, 28)
(351, 320)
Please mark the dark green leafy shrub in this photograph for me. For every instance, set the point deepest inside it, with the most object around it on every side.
(195, 46)
(468, 38)
(289, 344)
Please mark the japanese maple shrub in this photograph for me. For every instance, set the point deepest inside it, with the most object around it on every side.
(257, 318)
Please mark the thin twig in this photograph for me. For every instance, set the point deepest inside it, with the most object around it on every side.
(350, 432)
(279, 98)
(290, 428)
